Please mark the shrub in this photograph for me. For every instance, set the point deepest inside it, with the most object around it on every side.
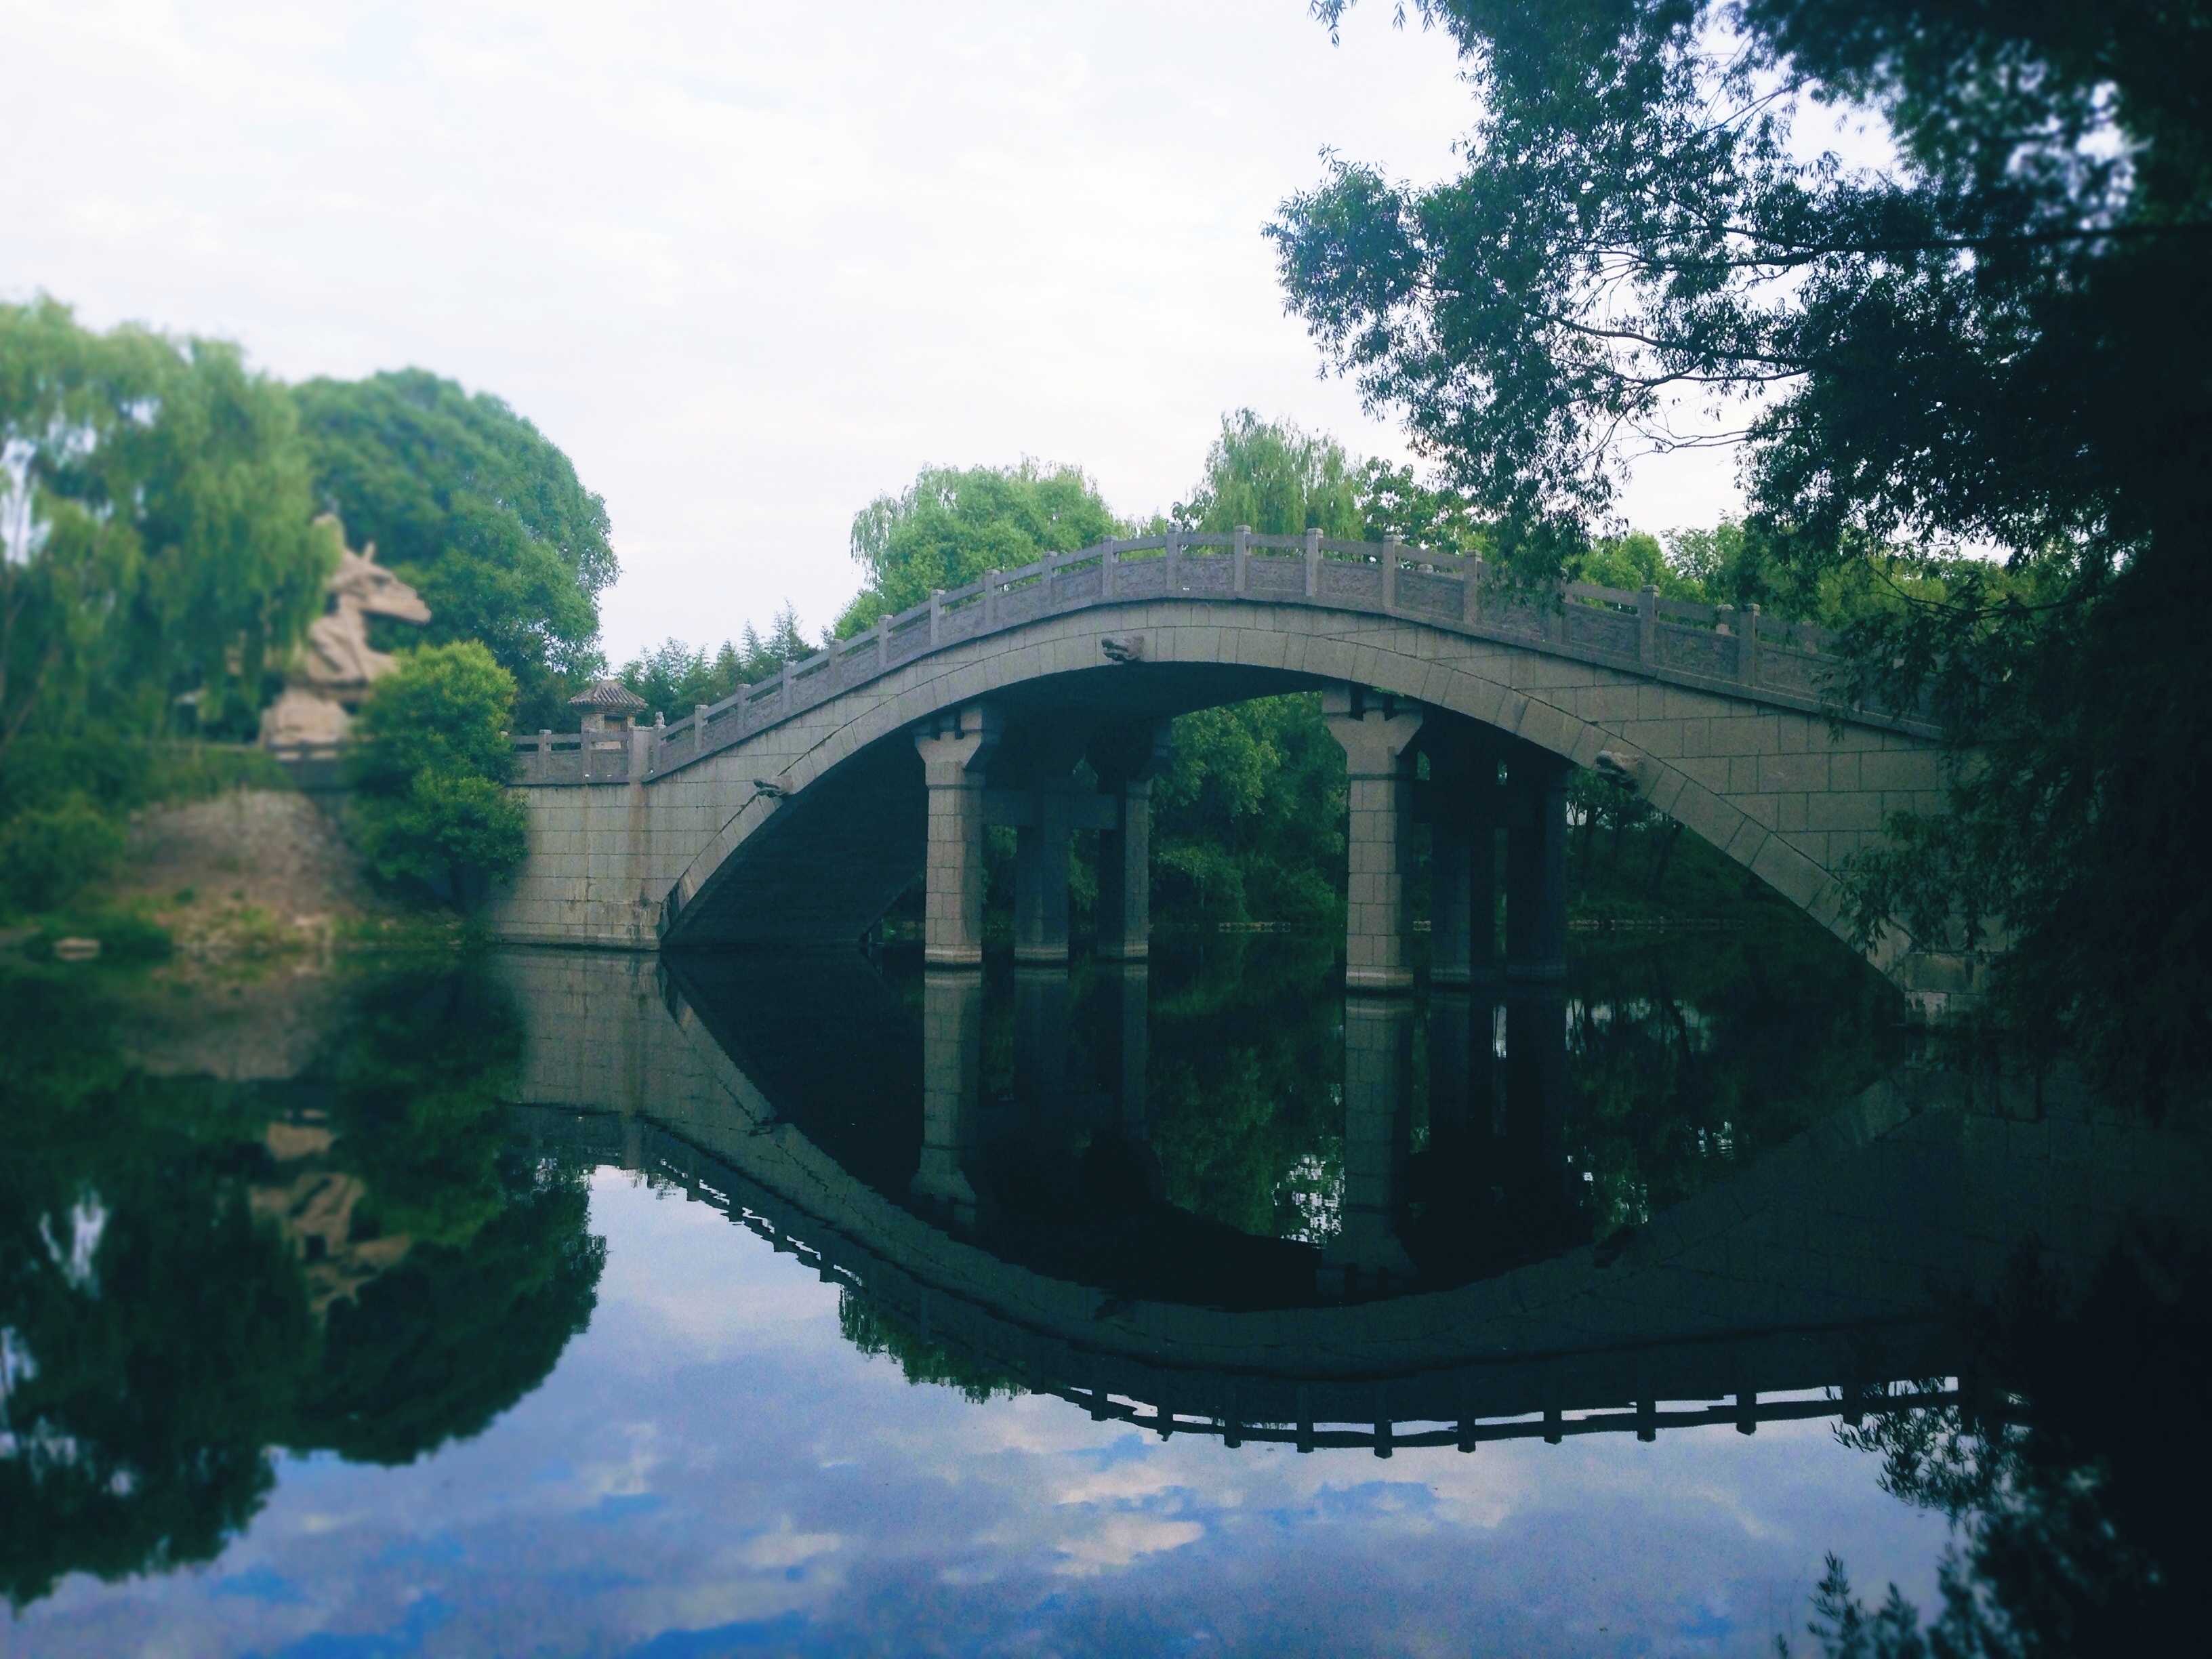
(430, 768)
(446, 825)
(51, 852)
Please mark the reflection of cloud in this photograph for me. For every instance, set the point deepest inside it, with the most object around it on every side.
(626, 1476)
(1124, 1481)
(679, 1291)
(785, 1546)
(1121, 1538)
(744, 1474)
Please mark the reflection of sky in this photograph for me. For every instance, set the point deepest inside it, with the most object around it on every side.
(713, 1470)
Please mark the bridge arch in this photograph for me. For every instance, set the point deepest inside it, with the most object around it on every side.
(797, 809)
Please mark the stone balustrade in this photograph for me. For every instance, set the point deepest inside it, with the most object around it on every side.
(1718, 648)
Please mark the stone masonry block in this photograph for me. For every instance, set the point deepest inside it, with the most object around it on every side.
(1890, 770)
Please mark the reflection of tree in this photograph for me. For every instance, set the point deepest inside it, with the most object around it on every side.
(1244, 1059)
(872, 1330)
(2074, 1472)
(1701, 1055)
(151, 1330)
(1683, 1062)
(158, 1326)
(437, 1347)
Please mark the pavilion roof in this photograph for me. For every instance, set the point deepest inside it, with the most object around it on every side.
(610, 695)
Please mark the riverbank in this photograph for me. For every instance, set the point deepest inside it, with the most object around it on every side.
(250, 875)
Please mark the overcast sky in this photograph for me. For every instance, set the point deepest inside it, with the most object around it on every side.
(750, 265)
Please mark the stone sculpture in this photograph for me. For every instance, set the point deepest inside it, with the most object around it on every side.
(333, 670)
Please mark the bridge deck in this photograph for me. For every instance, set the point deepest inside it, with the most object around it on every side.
(1715, 649)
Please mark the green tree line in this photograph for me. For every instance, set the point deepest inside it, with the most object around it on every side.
(169, 516)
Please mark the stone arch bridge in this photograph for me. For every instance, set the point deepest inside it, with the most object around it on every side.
(799, 809)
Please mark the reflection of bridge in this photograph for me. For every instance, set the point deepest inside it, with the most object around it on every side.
(1824, 1266)
(799, 809)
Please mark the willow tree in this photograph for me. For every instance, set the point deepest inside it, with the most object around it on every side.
(155, 533)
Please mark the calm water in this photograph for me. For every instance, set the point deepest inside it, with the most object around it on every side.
(581, 1305)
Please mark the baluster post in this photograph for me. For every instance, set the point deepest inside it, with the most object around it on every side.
(1471, 598)
(1240, 559)
(882, 641)
(1106, 561)
(1747, 647)
(990, 600)
(1647, 627)
(1313, 562)
(698, 728)
(1393, 547)
(936, 614)
(1175, 564)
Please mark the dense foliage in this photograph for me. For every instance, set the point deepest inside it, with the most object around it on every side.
(1277, 479)
(156, 542)
(477, 510)
(1993, 336)
(429, 768)
(674, 677)
(951, 524)
(160, 560)
(2072, 1470)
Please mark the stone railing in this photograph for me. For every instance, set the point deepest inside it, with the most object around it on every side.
(1709, 647)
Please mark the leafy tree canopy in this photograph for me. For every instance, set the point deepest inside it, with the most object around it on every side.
(673, 677)
(477, 509)
(1277, 479)
(951, 524)
(1993, 338)
(155, 533)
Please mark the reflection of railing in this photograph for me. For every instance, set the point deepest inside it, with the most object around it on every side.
(1552, 1397)
(1713, 647)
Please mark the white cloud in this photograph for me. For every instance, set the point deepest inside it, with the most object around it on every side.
(749, 263)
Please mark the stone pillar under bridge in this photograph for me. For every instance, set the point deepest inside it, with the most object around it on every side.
(956, 748)
(1464, 805)
(1536, 866)
(1040, 853)
(1127, 762)
(1377, 735)
(1045, 773)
